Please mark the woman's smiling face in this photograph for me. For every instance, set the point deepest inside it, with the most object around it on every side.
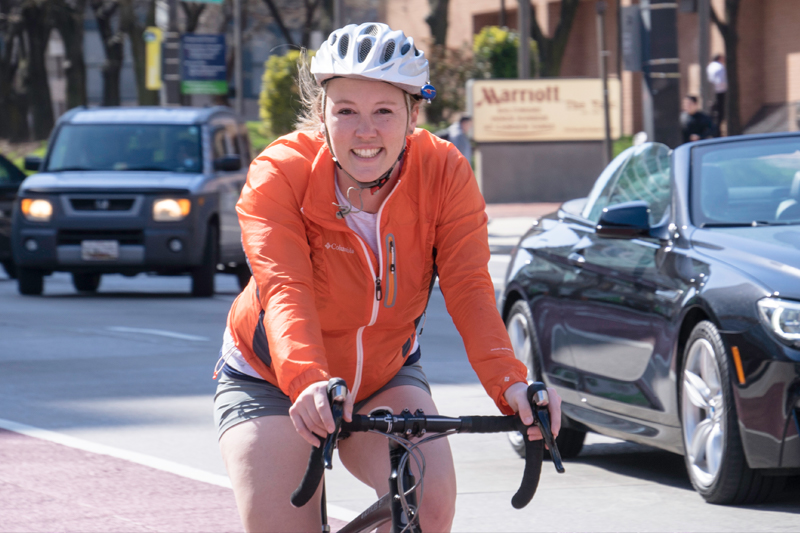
(367, 123)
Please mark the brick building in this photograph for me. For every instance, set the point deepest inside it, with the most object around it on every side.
(769, 49)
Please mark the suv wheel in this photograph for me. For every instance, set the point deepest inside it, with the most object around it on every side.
(526, 348)
(713, 450)
(30, 282)
(85, 282)
(203, 275)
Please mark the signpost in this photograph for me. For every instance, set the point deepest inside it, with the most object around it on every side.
(203, 64)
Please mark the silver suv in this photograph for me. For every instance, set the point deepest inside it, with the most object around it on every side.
(131, 190)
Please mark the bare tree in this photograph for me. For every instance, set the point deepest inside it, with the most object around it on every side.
(133, 24)
(551, 49)
(437, 20)
(192, 11)
(13, 101)
(730, 35)
(68, 18)
(107, 14)
(37, 19)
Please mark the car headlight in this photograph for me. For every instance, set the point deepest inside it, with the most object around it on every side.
(37, 210)
(171, 209)
(782, 317)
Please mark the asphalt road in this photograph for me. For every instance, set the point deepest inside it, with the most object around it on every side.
(130, 368)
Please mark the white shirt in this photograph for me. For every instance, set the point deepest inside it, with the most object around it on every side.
(717, 76)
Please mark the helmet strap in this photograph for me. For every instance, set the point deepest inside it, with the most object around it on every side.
(373, 186)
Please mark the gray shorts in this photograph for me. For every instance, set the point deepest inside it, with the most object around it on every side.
(239, 399)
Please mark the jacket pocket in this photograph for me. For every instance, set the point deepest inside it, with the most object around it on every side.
(391, 272)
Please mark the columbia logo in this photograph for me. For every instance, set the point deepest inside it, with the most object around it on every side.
(339, 248)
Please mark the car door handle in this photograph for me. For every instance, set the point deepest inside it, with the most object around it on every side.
(576, 259)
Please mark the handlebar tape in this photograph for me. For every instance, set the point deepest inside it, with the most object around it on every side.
(534, 453)
(312, 477)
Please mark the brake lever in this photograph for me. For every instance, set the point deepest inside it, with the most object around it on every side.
(539, 400)
(337, 390)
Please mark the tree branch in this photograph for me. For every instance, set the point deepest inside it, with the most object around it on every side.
(279, 21)
(721, 26)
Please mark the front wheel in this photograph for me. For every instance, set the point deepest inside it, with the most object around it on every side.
(713, 450)
(11, 268)
(30, 282)
(203, 275)
(522, 333)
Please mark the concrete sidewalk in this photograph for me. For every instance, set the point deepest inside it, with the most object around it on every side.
(508, 222)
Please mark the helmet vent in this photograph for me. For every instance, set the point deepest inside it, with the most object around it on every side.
(388, 51)
(372, 29)
(363, 49)
(332, 40)
(416, 52)
(404, 49)
(344, 42)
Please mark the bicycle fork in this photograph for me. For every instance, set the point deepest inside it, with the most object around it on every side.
(400, 522)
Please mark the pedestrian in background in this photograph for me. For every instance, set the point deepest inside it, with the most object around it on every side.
(718, 77)
(458, 134)
(695, 125)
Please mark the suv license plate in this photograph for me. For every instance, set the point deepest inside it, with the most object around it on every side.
(99, 250)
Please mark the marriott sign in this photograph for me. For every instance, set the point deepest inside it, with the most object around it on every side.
(541, 110)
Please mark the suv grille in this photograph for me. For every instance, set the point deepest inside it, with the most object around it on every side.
(71, 236)
(101, 204)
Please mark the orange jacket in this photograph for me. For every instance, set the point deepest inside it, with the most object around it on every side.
(322, 304)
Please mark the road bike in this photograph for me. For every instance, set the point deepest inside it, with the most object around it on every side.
(400, 504)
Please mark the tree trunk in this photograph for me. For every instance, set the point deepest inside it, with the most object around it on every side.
(437, 20)
(38, 24)
(551, 49)
(730, 35)
(112, 39)
(68, 21)
(13, 104)
(129, 23)
(276, 15)
(308, 22)
(193, 12)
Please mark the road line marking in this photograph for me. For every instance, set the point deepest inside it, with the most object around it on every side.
(334, 511)
(160, 332)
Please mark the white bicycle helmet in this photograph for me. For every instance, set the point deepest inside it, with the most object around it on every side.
(373, 51)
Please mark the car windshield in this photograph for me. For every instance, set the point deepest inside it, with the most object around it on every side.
(747, 183)
(141, 147)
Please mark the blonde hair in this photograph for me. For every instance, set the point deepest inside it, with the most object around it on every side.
(312, 97)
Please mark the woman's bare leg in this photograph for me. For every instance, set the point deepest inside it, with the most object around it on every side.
(366, 455)
(265, 459)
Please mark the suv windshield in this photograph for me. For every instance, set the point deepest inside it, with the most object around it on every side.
(147, 147)
(748, 183)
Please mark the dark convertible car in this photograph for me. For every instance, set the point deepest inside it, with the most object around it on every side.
(665, 309)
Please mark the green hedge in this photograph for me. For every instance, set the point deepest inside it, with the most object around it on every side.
(279, 102)
(495, 51)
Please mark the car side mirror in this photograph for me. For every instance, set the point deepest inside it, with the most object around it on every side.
(625, 221)
(228, 163)
(33, 162)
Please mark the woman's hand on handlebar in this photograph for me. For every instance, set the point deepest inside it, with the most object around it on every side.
(516, 396)
(311, 413)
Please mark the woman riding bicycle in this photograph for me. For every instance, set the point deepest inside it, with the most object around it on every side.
(345, 223)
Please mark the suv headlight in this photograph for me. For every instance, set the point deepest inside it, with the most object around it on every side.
(171, 209)
(37, 210)
(782, 317)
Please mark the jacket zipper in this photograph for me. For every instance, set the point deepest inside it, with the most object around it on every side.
(378, 294)
(391, 273)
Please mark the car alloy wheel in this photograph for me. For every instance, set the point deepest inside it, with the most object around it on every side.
(703, 412)
(713, 451)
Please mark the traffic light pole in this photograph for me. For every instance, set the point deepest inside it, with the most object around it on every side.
(172, 58)
(661, 80)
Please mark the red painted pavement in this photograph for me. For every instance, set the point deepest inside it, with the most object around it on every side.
(48, 487)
